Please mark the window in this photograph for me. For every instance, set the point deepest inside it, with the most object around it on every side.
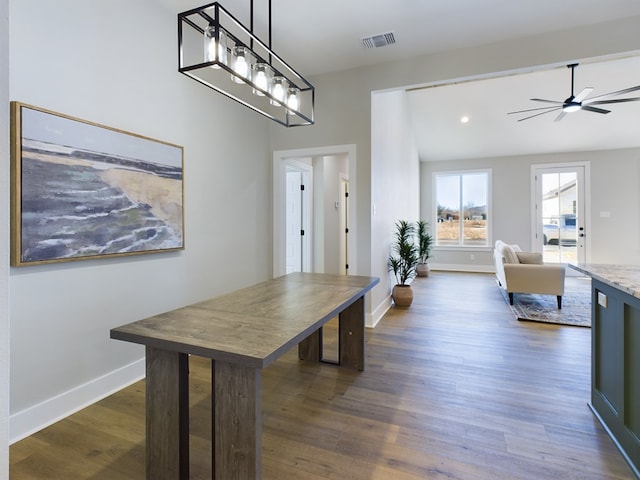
(462, 208)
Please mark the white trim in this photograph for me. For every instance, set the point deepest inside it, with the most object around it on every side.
(48, 412)
(372, 319)
(453, 267)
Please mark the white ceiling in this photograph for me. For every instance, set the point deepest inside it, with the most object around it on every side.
(318, 37)
(436, 114)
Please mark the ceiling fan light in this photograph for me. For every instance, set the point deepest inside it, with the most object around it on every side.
(571, 107)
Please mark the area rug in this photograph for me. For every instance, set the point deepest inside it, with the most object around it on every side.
(576, 304)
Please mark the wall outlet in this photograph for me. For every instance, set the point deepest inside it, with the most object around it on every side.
(472, 256)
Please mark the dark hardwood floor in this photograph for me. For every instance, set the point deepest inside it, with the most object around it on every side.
(454, 388)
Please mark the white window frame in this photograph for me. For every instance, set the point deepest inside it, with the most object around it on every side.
(461, 173)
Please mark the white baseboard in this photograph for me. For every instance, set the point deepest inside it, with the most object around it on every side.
(373, 318)
(37, 417)
(452, 267)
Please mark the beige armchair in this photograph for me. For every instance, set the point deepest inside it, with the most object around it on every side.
(524, 272)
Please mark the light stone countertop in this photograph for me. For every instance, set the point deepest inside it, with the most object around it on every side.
(625, 278)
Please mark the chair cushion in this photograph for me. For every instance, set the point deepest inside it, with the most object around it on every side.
(509, 253)
(529, 257)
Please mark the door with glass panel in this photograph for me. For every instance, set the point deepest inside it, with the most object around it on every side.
(559, 209)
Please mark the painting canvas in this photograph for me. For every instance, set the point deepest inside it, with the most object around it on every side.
(82, 190)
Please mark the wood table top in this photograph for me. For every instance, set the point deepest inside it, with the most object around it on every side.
(252, 326)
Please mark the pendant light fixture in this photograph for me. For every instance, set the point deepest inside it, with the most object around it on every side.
(236, 63)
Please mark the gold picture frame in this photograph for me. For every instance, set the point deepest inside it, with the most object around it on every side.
(81, 190)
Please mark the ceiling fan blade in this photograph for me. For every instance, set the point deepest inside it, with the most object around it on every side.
(546, 101)
(615, 100)
(583, 94)
(594, 109)
(538, 114)
(613, 94)
(532, 110)
(561, 116)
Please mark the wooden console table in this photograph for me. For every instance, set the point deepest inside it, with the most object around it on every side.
(242, 332)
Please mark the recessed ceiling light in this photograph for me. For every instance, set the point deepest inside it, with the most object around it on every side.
(464, 119)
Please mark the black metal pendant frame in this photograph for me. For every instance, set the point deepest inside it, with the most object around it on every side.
(217, 74)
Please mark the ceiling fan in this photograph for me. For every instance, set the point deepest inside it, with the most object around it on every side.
(578, 102)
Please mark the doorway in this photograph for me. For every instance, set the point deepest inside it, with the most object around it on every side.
(322, 203)
(560, 230)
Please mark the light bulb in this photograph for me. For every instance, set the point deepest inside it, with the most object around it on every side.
(261, 78)
(211, 46)
(293, 99)
(241, 64)
(279, 90)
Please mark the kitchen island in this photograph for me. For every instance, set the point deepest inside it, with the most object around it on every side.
(615, 354)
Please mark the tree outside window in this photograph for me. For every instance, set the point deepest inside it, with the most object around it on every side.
(462, 208)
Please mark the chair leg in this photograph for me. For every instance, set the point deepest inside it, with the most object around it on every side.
(511, 298)
(559, 302)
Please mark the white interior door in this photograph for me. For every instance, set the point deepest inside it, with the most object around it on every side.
(298, 217)
(560, 220)
(293, 221)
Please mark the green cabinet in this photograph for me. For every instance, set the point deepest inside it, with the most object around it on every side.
(615, 367)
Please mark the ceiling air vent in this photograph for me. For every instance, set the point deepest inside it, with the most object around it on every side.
(377, 41)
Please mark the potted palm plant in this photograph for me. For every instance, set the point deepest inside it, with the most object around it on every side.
(403, 262)
(425, 241)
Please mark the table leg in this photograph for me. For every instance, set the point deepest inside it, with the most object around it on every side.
(167, 398)
(237, 421)
(311, 347)
(351, 335)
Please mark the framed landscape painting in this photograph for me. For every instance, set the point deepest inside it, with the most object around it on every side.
(80, 190)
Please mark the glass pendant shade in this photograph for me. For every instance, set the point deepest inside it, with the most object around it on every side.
(262, 74)
(279, 87)
(241, 64)
(293, 99)
(213, 46)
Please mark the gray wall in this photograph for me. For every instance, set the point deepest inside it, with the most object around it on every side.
(395, 191)
(4, 240)
(120, 70)
(614, 188)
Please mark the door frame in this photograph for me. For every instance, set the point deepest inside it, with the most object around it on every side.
(280, 160)
(586, 221)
